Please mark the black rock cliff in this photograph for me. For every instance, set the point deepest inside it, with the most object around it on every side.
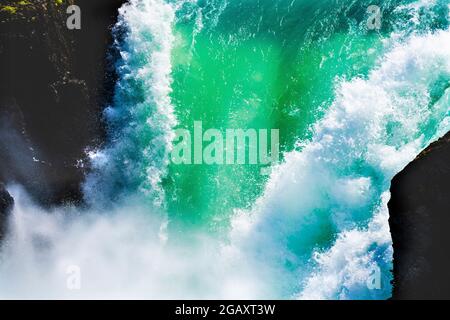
(420, 225)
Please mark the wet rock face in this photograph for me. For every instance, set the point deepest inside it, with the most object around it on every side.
(6, 204)
(420, 225)
(54, 84)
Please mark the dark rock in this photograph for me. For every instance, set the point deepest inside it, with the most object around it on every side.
(6, 204)
(420, 225)
(53, 89)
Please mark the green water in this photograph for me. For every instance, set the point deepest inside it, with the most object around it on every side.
(258, 65)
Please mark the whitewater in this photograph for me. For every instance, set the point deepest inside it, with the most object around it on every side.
(315, 228)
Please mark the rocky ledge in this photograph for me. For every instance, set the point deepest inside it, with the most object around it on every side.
(54, 83)
(420, 225)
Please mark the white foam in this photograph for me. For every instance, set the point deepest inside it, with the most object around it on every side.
(142, 117)
(344, 271)
(372, 130)
(119, 255)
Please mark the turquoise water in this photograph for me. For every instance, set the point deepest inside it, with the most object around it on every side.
(353, 106)
(255, 64)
